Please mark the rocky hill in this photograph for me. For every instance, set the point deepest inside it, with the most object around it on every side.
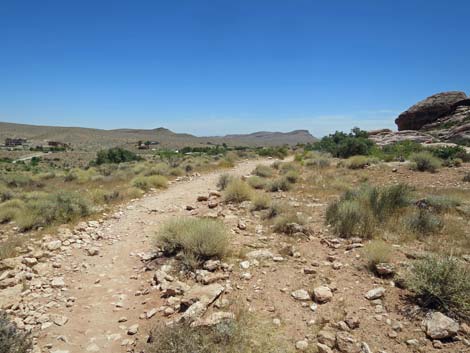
(89, 139)
(442, 117)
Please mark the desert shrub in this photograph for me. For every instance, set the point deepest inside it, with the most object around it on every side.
(466, 177)
(358, 211)
(132, 193)
(115, 155)
(237, 191)
(275, 209)
(46, 176)
(423, 222)
(441, 283)
(177, 172)
(359, 162)
(288, 223)
(12, 340)
(263, 171)
(424, 162)
(376, 252)
(260, 201)
(198, 239)
(292, 176)
(224, 180)
(441, 203)
(147, 182)
(450, 153)
(452, 162)
(61, 207)
(279, 184)
(276, 165)
(400, 150)
(104, 196)
(243, 334)
(10, 209)
(256, 182)
(285, 168)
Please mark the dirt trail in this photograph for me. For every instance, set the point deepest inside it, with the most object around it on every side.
(108, 287)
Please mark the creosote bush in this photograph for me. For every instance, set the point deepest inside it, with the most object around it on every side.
(197, 239)
(12, 340)
(237, 191)
(147, 182)
(358, 212)
(424, 162)
(441, 283)
(376, 252)
(263, 171)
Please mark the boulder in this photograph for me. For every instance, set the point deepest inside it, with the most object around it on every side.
(322, 294)
(429, 110)
(440, 326)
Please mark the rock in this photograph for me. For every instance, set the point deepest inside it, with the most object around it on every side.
(149, 314)
(439, 326)
(92, 251)
(345, 343)
(202, 198)
(132, 330)
(323, 348)
(93, 348)
(58, 282)
(322, 294)
(211, 265)
(375, 293)
(365, 348)
(428, 110)
(59, 320)
(384, 269)
(204, 294)
(213, 204)
(261, 254)
(53, 245)
(327, 338)
(301, 345)
(301, 295)
(214, 319)
(245, 265)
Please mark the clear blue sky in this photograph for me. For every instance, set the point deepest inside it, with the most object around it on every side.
(216, 67)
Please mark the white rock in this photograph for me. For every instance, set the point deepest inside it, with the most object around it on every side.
(375, 293)
(301, 345)
(300, 294)
(440, 326)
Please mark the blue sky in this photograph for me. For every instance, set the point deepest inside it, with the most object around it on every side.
(219, 66)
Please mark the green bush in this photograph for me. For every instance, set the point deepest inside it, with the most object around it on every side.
(147, 182)
(357, 212)
(197, 239)
(17, 180)
(441, 283)
(257, 182)
(450, 153)
(260, 201)
(224, 180)
(237, 191)
(5, 193)
(359, 162)
(440, 203)
(115, 155)
(423, 222)
(425, 162)
(263, 171)
(344, 145)
(12, 340)
(279, 184)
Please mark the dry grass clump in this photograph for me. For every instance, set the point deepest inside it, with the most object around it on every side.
(9, 210)
(279, 184)
(423, 222)
(441, 283)
(197, 239)
(275, 209)
(358, 212)
(376, 252)
(257, 182)
(237, 191)
(359, 162)
(292, 176)
(466, 177)
(288, 223)
(317, 162)
(158, 169)
(425, 162)
(147, 182)
(12, 340)
(243, 334)
(5, 193)
(263, 171)
(224, 180)
(442, 203)
(260, 201)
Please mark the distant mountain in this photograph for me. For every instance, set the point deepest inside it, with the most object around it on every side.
(92, 139)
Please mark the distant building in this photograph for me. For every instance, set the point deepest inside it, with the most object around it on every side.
(14, 142)
(146, 145)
